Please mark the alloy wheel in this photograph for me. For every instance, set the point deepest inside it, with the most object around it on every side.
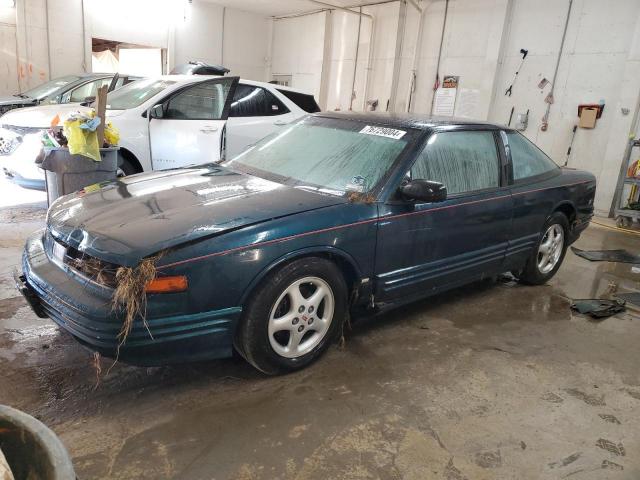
(301, 316)
(550, 248)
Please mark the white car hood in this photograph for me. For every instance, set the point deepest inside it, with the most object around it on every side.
(41, 116)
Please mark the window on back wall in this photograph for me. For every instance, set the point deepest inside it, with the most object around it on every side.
(462, 161)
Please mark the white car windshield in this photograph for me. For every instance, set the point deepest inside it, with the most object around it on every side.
(328, 155)
(49, 88)
(136, 93)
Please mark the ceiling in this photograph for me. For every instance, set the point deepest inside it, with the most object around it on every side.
(284, 7)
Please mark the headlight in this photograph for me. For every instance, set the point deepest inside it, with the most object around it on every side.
(9, 141)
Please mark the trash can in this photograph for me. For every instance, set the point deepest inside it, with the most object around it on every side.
(66, 173)
(32, 451)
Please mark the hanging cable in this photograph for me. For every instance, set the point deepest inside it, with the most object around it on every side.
(436, 84)
(550, 99)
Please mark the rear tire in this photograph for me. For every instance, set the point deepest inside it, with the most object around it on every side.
(292, 317)
(548, 254)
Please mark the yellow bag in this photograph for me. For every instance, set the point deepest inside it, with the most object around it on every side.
(111, 134)
(81, 142)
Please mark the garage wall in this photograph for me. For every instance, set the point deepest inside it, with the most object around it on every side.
(198, 34)
(298, 49)
(600, 62)
(344, 46)
(66, 37)
(246, 47)
(31, 41)
(186, 31)
(468, 50)
(8, 52)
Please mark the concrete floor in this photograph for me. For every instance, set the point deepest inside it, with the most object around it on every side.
(492, 381)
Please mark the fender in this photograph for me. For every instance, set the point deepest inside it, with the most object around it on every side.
(303, 252)
(563, 207)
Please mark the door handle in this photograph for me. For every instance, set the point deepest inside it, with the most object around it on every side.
(209, 129)
(280, 122)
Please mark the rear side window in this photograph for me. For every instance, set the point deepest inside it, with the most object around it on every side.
(302, 100)
(527, 159)
(250, 101)
(462, 161)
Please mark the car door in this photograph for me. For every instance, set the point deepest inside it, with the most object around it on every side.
(254, 113)
(187, 128)
(533, 200)
(428, 247)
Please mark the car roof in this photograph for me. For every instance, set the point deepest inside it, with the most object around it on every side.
(409, 120)
(199, 78)
(95, 75)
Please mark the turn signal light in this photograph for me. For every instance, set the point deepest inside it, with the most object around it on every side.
(172, 284)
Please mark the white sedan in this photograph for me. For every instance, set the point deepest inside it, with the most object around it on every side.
(164, 122)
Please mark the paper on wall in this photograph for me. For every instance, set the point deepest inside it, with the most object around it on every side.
(445, 102)
(468, 103)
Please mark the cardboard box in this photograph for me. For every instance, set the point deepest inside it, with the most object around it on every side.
(588, 117)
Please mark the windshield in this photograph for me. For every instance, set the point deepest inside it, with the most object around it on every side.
(50, 88)
(328, 155)
(135, 93)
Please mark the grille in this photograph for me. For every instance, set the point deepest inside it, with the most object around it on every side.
(92, 268)
(9, 141)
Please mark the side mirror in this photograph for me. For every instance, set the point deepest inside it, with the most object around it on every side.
(424, 191)
(157, 111)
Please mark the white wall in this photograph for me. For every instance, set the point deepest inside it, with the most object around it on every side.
(601, 60)
(8, 52)
(198, 34)
(383, 55)
(344, 42)
(66, 38)
(141, 22)
(186, 31)
(247, 39)
(298, 47)
(470, 49)
(482, 45)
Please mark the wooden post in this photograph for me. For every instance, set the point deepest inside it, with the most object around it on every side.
(101, 107)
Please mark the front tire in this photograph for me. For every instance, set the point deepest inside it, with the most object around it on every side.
(547, 256)
(125, 167)
(293, 316)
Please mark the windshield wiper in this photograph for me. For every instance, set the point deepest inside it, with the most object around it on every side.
(21, 95)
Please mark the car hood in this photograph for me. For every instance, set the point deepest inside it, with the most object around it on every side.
(41, 115)
(129, 219)
(11, 100)
(37, 117)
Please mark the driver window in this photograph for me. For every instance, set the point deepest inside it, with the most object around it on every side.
(463, 161)
(202, 101)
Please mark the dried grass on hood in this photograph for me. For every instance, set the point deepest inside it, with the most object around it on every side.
(130, 294)
(361, 197)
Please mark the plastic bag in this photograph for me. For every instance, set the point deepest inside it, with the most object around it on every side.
(111, 134)
(82, 142)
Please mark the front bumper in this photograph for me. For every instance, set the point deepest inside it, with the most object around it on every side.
(20, 165)
(28, 183)
(84, 310)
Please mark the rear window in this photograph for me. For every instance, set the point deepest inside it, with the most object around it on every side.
(302, 100)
